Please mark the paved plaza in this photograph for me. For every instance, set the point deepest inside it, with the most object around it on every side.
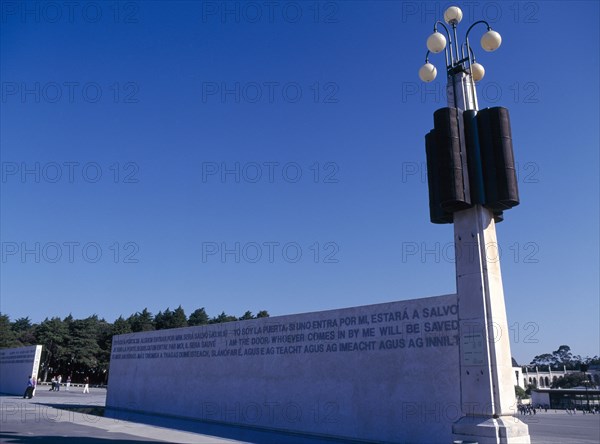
(558, 427)
(77, 418)
(73, 417)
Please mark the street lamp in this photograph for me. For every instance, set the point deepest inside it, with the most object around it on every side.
(472, 179)
(584, 369)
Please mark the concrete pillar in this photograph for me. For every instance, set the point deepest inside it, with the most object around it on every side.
(488, 398)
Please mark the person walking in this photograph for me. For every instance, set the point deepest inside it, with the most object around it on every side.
(68, 383)
(86, 385)
(30, 387)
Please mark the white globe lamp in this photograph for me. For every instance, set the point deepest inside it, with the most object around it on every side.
(436, 42)
(427, 73)
(477, 71)
(453, 15)
(491, 40)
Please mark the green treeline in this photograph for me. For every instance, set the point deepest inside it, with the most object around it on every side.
(81, 347)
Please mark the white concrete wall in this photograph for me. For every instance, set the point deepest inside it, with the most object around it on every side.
(16, 365)
(539, 377)
(386, 372)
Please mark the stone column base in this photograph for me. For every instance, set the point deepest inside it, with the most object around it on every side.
(486, 430)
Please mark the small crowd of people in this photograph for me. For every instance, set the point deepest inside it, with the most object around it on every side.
(528, 409)
(592, 410)
(55, 384)
(56, 381)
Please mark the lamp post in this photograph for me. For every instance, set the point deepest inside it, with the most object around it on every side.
(584, 369)
(471, 182)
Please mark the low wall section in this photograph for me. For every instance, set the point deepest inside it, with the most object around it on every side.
(16, 365)
(385, 373)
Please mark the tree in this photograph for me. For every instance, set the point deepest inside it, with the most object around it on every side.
(121, 326)
(571, 380)
(247, 316)
(104, 334)
(52, 334)
(179, 318)
(84, 351)
(592, 361)
(170, 319)
(559, 358)
(563, 355)
(24, 331)
(198, 317)
(544, 360)
(8, 337)
(27, 337)
(262, 314)
(143, 321)
(530, 387)
(222, 318)
(21, 324)
(520, 393)
(161, 320)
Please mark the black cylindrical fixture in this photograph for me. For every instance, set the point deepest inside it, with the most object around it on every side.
(437, 214)
(499, 174)
(488, 164)
(447, 156)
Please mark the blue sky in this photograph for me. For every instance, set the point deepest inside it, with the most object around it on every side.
(144, 143)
